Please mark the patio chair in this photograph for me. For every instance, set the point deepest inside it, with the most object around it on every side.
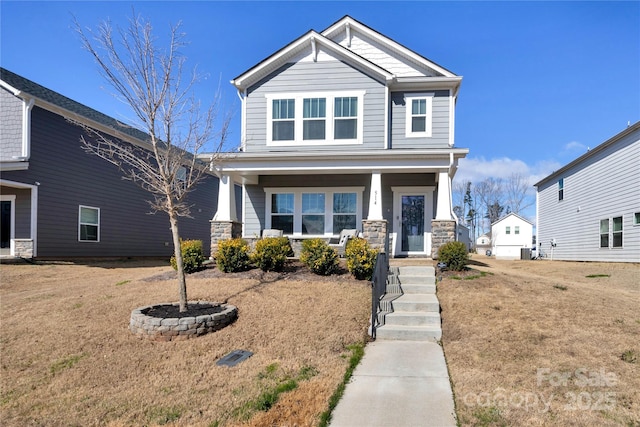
(269, 232)
(340, 244)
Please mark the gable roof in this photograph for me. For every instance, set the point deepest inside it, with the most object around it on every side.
(313, 40)
(60, 104)
(512, 214)
(629, 130)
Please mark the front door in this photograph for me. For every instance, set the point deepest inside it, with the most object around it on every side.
(412, 228)
(6, 223)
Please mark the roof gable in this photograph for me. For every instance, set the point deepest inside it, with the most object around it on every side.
(512, 215)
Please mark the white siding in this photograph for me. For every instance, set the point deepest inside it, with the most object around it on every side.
(603, 186)
(508, 246)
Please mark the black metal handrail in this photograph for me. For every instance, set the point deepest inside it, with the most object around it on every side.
(379, 286)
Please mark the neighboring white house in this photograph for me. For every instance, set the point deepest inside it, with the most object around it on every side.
(509, 235)
(483, 243)
(590, 208)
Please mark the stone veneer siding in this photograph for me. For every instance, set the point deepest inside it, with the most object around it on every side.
(441, 232)
(23, 248)
(223, 230)
(375, 232)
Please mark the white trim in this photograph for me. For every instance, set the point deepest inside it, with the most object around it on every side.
(297, 201)
(409, 98)
(12, 221)
(452, 118)
(396, 235)
(387, 116)
(330, 97)
(34, 208)
(80, 223)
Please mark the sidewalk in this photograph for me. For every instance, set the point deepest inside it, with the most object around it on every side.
(398, 383)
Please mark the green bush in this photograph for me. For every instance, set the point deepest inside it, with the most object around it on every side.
(270, 253)
(233, 255)
(455, 255)
(192, 257)
(319, 257)
(361, 259)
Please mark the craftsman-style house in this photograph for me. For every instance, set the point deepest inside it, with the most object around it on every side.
(344, 129)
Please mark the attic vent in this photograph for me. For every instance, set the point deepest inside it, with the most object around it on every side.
(235, 357)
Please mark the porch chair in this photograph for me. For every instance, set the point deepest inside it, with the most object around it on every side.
(340, 244)
(269, 232)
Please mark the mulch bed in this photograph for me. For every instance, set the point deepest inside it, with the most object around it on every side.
(173, 311)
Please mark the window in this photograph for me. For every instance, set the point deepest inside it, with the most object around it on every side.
(636, 218)
(315, 118)
(346, 118)
(617, 232)
(561, 189)
(508, 230)
(517, 229)
(282, 212)
(604, 233)
(313, 211)
(419, 115)
(344, 211)
(88, 224)
(283, 119)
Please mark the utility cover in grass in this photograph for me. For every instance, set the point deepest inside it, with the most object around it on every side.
(235, 357)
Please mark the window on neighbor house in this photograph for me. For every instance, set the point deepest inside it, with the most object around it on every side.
(617, 232)
(517, 229)
(508, 230)
(283, 119)
(315, 118)
(88, 224)
(419, 115)
(561, 189)
(636, 218)
(282, 212)
(604, 233)
(313, 211)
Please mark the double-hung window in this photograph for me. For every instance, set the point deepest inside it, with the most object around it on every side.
(516, 229)
(508, 230)
(345, 207)
(604, 233)
(88, 224)
(617, 232)
(611, 232)
(282, 210)
(313, 207)
(419, 115)
(283, 119)
(561, 189)
(315, 118)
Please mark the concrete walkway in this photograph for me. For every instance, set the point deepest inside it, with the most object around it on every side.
(398, 383)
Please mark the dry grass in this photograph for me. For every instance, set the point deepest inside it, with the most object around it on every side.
(68, 358)
(534, 333)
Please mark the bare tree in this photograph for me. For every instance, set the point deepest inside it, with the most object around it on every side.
(151, 81)
(488, 195)
(517, 193)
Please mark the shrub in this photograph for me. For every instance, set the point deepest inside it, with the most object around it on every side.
(454, 254)
(270, 253)
(361, 259)
(319, 257)
(192, 257)
(233, 255)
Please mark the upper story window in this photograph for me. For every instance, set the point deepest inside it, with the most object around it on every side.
(508, 230)
(88, 224)
(318, 118)
(561, 189)
(419, 115)
(636, 218)
(516, 230)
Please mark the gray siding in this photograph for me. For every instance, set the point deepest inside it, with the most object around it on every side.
(10, 126)
(69, 177)
(312, 77)
(604, 186)
(441, 119)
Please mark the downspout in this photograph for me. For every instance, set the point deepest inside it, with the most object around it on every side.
(242, 95)
(26, 130)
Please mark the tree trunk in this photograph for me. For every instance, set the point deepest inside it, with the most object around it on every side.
(177, 252)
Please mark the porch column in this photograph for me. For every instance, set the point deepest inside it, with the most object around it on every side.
(375, 197)
(224, 224)
(443, 210)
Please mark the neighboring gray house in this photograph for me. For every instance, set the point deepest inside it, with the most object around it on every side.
(345, 128)
(589, 210)
(57, 201)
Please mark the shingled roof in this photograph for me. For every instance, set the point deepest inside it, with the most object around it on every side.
(28, 89)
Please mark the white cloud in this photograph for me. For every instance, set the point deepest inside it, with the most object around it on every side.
(574, 147)
(476, 169)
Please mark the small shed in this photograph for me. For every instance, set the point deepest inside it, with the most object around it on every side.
(510, 234)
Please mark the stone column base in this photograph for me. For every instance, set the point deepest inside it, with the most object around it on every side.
(23, 248)
(374, 231)
(223, 230)
(442, 231)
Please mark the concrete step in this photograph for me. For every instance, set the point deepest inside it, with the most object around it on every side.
(416, 270)
(409, 333)
(406, 279)
(416, 302)
(418, 289)
(417, 318)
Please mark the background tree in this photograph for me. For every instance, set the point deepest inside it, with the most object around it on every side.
(517, 192)
(151, 81)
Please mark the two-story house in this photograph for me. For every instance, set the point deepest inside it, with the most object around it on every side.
(343, 129)
(58, 201)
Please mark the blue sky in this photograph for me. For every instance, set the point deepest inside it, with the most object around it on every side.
(542, 80)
